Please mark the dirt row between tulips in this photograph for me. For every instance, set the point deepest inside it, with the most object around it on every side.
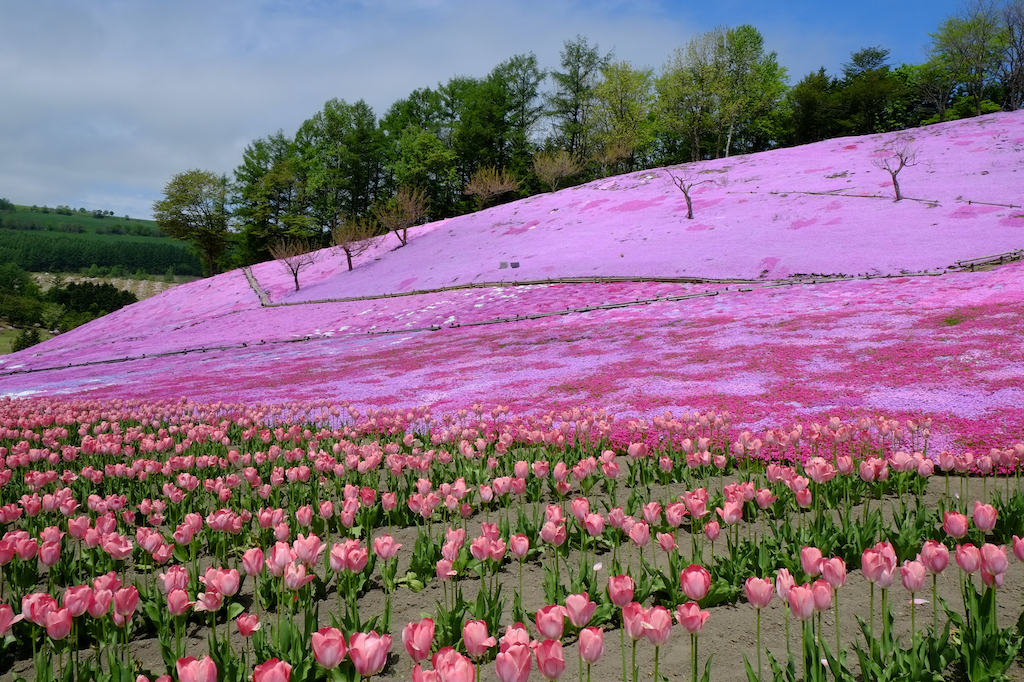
(728, 635)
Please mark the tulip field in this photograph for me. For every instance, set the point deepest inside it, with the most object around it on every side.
(576, 436)
(302, 542)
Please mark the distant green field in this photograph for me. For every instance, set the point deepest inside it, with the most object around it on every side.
(86, 225)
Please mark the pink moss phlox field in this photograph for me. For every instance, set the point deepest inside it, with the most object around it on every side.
(770, 353)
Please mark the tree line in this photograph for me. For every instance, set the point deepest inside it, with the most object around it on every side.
(522, 129)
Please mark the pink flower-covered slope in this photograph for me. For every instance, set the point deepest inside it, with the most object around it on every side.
(946, 346)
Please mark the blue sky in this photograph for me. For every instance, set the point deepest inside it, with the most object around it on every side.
(102, 101)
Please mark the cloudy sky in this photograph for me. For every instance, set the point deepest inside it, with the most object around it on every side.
(102, 101)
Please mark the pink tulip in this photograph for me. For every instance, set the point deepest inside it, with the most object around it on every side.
(695, 581)
(765, 498)
(954, 524)
(732, 512)
(591, 645)
(640, 533)
(478, 642)
(368, 652)
(878, 564)
(191, 670)
(551, 621)
(7, 618)
(125, 601)
(989, 580)
(210, 601)
(178, 602)
(513, 664)
(633, 617)
(810, 561)
(658, 625)
(451, 666)
(100, 604)
(968, 558)
(783, 584)
(385, 547)
(550, 659)
(445, 570)
(519, 545)
(934, 556)
(801, 601)
(913, 573)
(77, 599)
(1018, 548)
(691, 617)
(295, 577)
(984, 517)
(49, 553)
(308, 550)
(821, 593)
(993, 559)
(834, 571)
(620, 590)
(712, 529)
(248, 623)
(553, 534)
(329, 647)
(759, 591)
(273, 670)
(579, 609)
(418, 638)
(58, 623)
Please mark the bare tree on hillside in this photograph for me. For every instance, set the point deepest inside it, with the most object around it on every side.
(407, 208)
(490, 183)
(295, 255)
(553, 167)
(355, 236)
(898, 153)
(686, 178)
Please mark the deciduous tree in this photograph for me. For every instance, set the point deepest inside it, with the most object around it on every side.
(971, 42)
(554, 166)
(901, 151)
(355, 236)
(295, 255)
(571, 103)
(407, 208)
(490, 183)
(194, 210)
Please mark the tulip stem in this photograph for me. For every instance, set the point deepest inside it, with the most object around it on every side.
(837, 623)
(693, 647)
(656, 650)
(935, 607)
(634, 660)
(622, 640)
(759, 645)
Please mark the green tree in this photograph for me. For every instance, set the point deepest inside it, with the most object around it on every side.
(688, 92)
(521, 79)
(194, 210)
(752, 84)
(571, 103)
(341, 159)
(26, 338)
(871, 96)
(1012, 74)
(972, 43)
(814, 104)
(623, 113)
(268, 197)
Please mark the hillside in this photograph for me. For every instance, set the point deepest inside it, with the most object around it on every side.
(772, 345)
